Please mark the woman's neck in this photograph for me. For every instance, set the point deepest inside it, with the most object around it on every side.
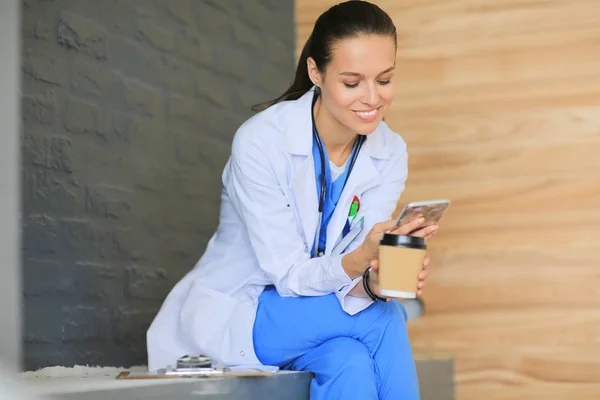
(337, 139)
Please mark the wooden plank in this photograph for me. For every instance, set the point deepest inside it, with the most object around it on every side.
(528, 372)
(517, 364)
(524, 238)
(560, 276)
(527, 326)
(553, 216)
(535, 93)
(497, 388)
(491, 128)
(452, 28)
(574, 35)
(470, 22)
(510, 161)
(545, 202)
(548, 194)
(477, 219)
(513, 66)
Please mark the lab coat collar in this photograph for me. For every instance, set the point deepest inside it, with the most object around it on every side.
(299, 131)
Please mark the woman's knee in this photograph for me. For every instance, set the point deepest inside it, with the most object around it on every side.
(348, 357)
(355, 355)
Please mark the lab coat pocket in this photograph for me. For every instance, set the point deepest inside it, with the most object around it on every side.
(215, 323)
(293, 207)
(355, 230)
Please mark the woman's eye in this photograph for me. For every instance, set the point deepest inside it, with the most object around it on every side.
(353, 85)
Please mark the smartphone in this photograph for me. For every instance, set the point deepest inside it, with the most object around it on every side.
(431, 210)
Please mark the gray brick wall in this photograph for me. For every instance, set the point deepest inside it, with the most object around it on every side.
(129, 108)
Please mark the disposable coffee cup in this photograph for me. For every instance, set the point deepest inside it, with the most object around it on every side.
(400, 262)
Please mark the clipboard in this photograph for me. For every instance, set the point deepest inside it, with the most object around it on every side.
(350, 236)
(203, 373)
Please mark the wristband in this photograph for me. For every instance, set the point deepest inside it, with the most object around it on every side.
(365, 280)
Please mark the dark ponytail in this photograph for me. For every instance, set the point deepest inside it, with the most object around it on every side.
(344, 20)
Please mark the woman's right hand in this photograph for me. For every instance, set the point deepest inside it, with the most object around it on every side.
(370, 247)
(355, 262)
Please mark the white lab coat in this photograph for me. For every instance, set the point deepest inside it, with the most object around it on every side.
(268, 221)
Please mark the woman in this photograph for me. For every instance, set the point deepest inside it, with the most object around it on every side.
(309, 189)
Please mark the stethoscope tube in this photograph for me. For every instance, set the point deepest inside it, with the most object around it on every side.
(323, 192)
(323, 177)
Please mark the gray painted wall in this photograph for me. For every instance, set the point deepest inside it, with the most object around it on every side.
(10, 282)
(129, 108)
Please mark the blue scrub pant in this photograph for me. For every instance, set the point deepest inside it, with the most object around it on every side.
(364, 356)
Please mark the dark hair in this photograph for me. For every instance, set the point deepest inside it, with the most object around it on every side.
(344, 20)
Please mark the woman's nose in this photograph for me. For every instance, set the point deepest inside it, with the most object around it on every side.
(371, 95)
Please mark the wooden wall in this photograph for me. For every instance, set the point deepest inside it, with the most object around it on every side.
(499, 102)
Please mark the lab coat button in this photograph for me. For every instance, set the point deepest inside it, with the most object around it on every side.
(242, 353)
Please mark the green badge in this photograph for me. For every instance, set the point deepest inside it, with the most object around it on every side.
(354, 208)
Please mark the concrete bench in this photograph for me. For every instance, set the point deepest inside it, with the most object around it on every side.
(436, 380)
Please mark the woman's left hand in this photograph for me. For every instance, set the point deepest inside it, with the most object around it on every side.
(374, 276)
(426, 233)
(422, 276)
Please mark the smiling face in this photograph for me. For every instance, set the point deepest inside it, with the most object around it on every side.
(356, 86)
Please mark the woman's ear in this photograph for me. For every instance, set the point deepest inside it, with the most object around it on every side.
(313, 72)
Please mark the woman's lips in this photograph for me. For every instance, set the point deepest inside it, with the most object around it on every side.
(367, 115)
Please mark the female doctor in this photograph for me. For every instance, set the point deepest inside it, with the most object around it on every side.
(311, 185)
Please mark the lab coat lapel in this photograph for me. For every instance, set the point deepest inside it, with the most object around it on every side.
(299, 145)
(363, 177)
(307, 199)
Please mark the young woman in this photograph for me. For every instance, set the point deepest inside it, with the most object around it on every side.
(310, 187)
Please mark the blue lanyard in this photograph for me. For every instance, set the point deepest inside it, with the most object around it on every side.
(324, 181)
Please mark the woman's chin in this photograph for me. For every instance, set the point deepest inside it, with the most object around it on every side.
(366, 129)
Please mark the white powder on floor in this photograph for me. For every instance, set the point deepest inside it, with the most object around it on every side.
(81, 371)
(82, 378)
